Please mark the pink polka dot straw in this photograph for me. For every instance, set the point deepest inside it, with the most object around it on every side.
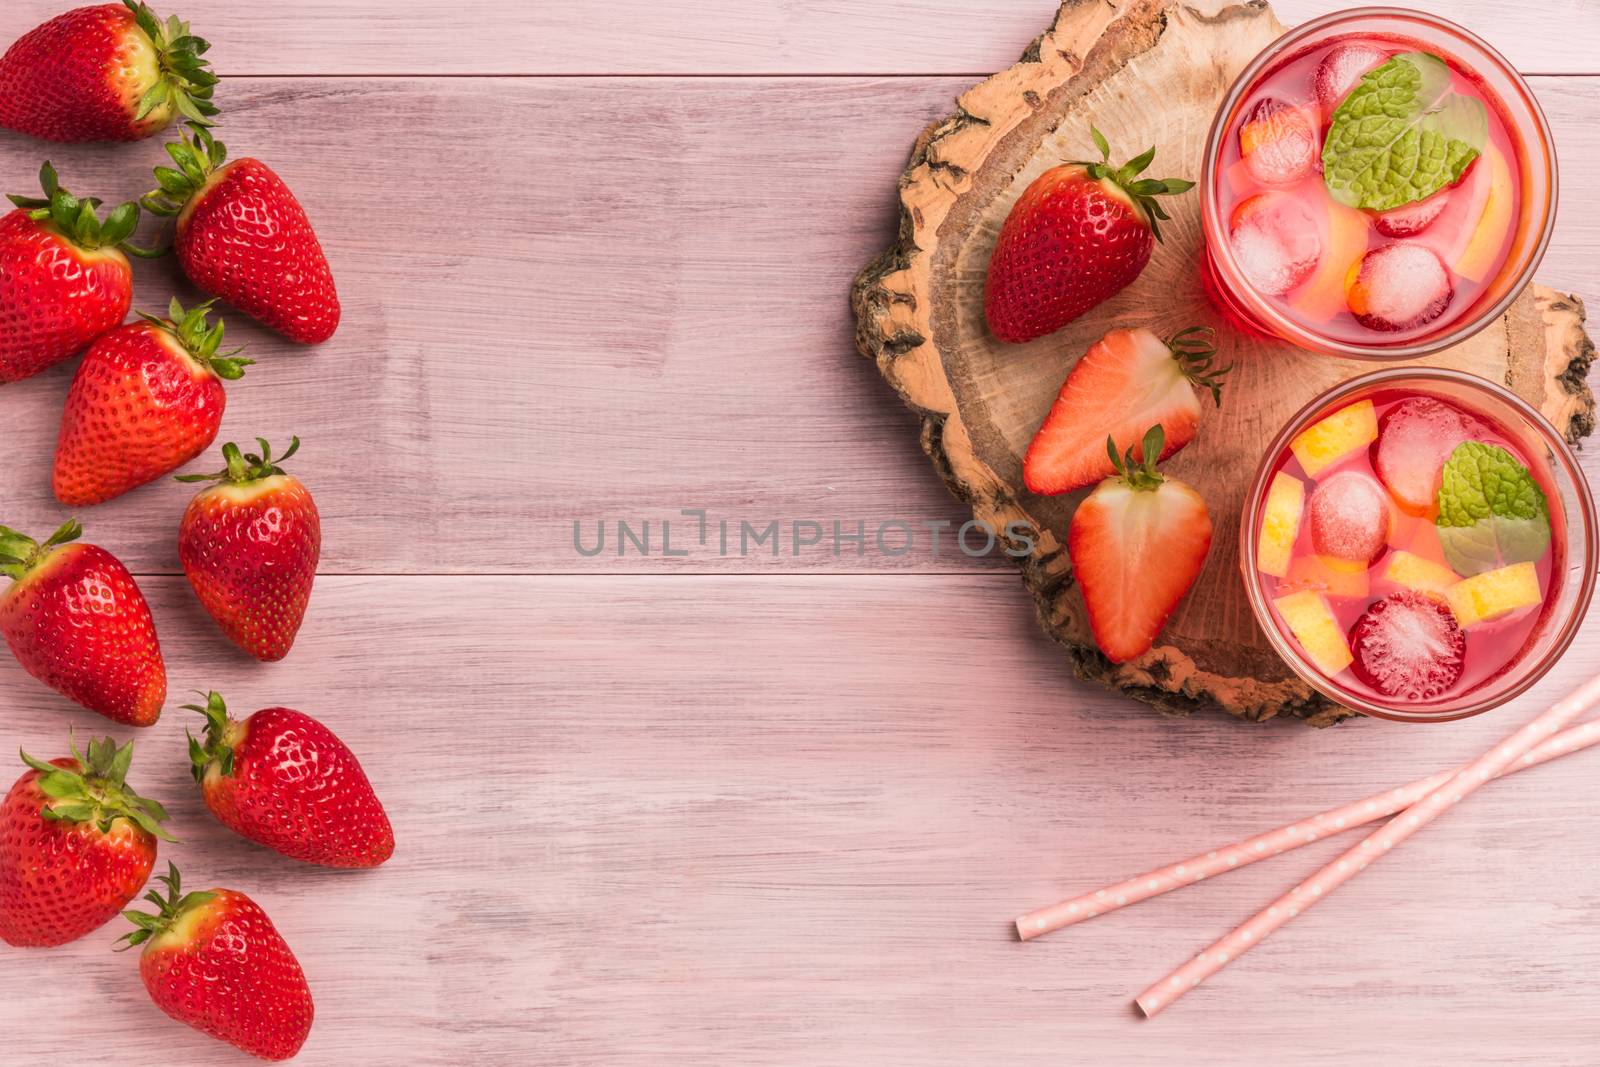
(1490, 765)
(1275, 842)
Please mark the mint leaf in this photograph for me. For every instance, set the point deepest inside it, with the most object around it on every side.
(1491, 511)
(1400, 135)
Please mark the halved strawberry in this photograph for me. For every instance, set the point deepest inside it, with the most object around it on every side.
(1137, 543)
(1128, 381)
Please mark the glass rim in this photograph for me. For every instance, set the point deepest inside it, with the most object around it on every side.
(1287, 650)
(1265, 312)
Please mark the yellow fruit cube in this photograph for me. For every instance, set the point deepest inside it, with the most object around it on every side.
(1322, 444)
(1280, 524)
(1423, 575)
(1324, 574)
(1311, 621)
(1488, 596)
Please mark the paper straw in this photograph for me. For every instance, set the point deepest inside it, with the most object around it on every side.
(1274, 842)
(1347, 866)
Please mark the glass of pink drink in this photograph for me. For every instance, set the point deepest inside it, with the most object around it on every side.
(1378, 183)
(1419, 544)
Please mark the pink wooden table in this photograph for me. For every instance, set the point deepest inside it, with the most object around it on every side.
(736, 810)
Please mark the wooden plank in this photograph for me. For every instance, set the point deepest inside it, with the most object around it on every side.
(683, 819)
(298, 37)
(652, 318)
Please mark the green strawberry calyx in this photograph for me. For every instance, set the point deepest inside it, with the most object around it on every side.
(79, 220)
(223, 735)
(1140, 475)
(1195, 349)
(185, 82)
(1142, 191)
(170, 909)
(200, 338)
(20, 554)
(196, 156)
(246, 467)
(97, 791)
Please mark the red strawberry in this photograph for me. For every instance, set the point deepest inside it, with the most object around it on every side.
(250, 548)
(63, 278)
(1128, 381)
(147, 399)
(1137, 543)
(243, 237)
(1078, 234)
(76, 844)
(214, 961)
(283, 780)
(113, 72)
(75, 620)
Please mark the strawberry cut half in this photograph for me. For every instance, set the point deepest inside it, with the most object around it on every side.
(1137, 544)
(1125, 383)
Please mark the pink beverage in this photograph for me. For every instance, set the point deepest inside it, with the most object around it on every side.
(1408, 544)
(1368, 191)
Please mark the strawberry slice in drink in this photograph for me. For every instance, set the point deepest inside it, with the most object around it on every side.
(1275, 242)
(1399, 287)
(1414, 440)
(1341, 69)
(1278, 142)
(1408, 645)
(1411, 218)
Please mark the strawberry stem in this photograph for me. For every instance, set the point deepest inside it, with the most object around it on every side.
(197, 155)
(20, 553)
(200, 338)
(169, 909)
(97, 791)
(1142, 191)
(79, 220)
(1140, 474)
(217, 748)
(185, 81)
(246, 467)
(1195, 349)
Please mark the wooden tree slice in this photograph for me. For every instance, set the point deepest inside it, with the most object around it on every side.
(1146, 72)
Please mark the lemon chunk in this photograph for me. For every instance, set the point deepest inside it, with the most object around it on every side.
(1492, 594)
(1280, 524)
(1311, 621)
(1324, 443)
(1415, 572)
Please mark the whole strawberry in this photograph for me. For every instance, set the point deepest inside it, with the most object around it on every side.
(76, 844)
(1078, 234)
(214, 961)
(112, 72)
(283, 780)
(63, 278)
(147, 399)
(75, 620)
(243, 237)
(250, 546)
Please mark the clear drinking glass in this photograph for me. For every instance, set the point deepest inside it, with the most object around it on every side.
(1567, 572)
(1491, 231)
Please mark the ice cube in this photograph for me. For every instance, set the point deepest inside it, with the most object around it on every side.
(1274, 241)
(1399, 287)
(1415, 437)
(1349, 515)
(1341, 69)
(1278, 142)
